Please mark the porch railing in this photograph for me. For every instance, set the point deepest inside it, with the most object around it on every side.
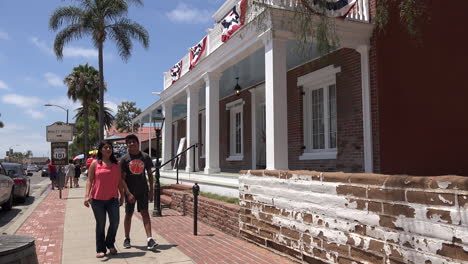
(359, 13)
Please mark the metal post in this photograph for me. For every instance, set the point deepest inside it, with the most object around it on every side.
(195, 190)
(60, 183)
(67, 116)
(177, 170)
(157, 184)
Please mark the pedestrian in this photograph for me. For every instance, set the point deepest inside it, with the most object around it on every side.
(90, 160)
(135, 165)
(52, 173)
(102, 192)
(77, 174)
(69, 173)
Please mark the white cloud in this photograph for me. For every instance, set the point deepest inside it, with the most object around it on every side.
(21, 100)
(184, 13)
(4, 36)
(35, 114)
(53, 79)
(42, 45)
(21, 139)
(69, 52)
(4, 86)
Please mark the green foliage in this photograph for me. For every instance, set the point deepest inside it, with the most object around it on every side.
(126, 112)
(1, 123)
(93, 109)
(219, 197)
(101, 20)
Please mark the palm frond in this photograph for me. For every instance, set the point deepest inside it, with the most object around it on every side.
(123, 31)
(69, 33)
(67, 15)
(122, 40)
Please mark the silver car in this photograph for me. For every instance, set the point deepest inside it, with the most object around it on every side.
(20, 178)
(6, 190)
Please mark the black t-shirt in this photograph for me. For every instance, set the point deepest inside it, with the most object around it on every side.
(135, 167)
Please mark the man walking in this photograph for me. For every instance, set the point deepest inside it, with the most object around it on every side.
(133, 166)
(52, 173)
(69, 173)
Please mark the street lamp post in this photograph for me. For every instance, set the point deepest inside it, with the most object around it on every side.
(158, 125)
(64, 109)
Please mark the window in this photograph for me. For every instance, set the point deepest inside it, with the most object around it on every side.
(319, 114)
(236, 130)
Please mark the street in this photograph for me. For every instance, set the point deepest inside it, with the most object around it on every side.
(10, 220)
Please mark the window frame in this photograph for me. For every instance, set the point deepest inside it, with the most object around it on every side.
(203, 133)
(320, 79)
(234, 108)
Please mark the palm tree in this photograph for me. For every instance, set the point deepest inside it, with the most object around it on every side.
(1, 123)
(83, 85)
(100, 19)
(94, 111)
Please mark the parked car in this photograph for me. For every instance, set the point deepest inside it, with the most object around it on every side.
(21, 180)
(32, 168)
(45, 171)
(6, 189)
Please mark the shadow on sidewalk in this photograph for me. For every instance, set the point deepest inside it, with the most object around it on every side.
(124, 255)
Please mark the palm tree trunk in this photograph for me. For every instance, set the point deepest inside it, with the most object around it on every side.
(86, 128)
(101, 92)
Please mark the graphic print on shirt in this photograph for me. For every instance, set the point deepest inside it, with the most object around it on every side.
(136, 166)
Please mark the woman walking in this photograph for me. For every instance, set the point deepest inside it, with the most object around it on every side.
(102, 192)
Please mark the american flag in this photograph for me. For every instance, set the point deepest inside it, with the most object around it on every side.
(196, 52)
(176, 71)
(233, 21)
(330, 8)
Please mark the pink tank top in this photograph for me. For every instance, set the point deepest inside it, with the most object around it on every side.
(106, 182)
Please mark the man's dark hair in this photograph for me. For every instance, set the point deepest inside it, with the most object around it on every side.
(130, 137)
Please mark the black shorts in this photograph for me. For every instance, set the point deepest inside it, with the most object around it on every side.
(141, 201)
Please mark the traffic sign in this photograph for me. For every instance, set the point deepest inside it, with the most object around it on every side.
(59, 132)
(59, 152)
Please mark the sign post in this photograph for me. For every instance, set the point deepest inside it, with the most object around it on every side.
(59, 134)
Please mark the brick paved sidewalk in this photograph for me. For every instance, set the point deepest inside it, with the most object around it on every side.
(45, 224)
(211, 245)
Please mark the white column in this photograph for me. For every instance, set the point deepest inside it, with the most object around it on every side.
(167, 134)
(192, 126)
(150, 131)
(253, 111)
(212, 122)
(366, 108)
(276, 103)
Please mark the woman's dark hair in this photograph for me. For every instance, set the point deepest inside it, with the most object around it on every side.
(99, 154)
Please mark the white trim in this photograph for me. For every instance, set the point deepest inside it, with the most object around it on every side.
(235, 103)
(253, 118)
(235, 108)
(319, 77)
(203, 133)
(318, 155)
(235, 158)
(366, 109)
(223, 10)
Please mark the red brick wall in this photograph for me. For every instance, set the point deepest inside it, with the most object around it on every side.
(423, 92)
(224, 129)
(350, 157)
(220, 215)
(343, 217)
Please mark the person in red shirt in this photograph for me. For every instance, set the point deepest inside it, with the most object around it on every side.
(52, 173)
(102, 193)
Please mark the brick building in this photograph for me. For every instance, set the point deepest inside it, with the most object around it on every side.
(380, 102)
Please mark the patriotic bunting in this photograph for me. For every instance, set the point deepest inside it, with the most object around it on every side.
(233, 21)
(176, 71)
(196, 52)
(332, 8)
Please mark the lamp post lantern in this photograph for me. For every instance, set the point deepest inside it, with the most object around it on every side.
(158, 122)
(64, 109)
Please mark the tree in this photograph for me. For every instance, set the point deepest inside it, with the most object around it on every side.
(94, 111)
(126, 112)
(311, 22)
(83, 85)
(100, 19)
(1, 123)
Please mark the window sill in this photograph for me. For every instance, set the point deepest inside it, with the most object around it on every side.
(235, 158)
(326, 155)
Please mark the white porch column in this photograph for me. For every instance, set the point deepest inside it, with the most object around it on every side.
(149, 134)
(276, 103)
(167, 135)
(366, 108)
(192, 126)
(212, 122)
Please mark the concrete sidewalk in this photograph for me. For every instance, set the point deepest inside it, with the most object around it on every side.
(64, 233)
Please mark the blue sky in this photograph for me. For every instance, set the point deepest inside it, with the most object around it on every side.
(31, 76)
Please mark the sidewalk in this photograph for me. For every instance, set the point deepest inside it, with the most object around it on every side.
(64, 232)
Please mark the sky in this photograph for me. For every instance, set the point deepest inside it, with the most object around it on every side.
(31, 75)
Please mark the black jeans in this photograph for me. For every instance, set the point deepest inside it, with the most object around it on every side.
(100, 208)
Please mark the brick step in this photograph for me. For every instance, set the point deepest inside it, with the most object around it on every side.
(166, 200)
(181, 187)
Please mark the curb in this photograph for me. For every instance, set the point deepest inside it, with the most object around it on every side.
(42, 193)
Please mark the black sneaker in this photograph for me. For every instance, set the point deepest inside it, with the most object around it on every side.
(152, 244)
(127, 243)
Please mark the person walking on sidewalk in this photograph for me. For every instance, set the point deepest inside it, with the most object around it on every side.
(102, 192)
(133, 166)
(52, 173)
(69, 173)
(77, 174)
